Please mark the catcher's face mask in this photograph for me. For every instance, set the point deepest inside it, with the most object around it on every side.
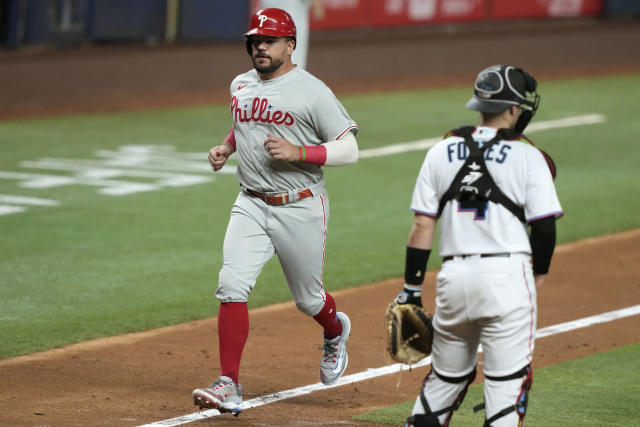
(501, 86)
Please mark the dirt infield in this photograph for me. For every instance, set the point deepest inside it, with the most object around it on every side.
(145, 377)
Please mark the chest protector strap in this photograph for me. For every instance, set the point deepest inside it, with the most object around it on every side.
(473, 187)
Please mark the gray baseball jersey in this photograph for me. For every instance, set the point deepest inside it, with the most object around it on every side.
(303, 110)
(296, 106)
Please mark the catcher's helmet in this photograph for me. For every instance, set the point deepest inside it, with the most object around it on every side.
(501, 86)
(270, 22)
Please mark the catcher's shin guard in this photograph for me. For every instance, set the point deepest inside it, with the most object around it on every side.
(430, 418)
(520, 407)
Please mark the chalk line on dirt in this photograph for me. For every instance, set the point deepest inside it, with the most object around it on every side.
(392, 369)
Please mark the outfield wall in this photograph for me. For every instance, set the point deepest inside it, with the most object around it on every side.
(389, 13)
(58, 23)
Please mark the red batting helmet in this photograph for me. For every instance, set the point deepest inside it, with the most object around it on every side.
(270, 22)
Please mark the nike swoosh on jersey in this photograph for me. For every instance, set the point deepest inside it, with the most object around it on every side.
(241, 86)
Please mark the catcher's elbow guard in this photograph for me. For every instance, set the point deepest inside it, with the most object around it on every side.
(409, 332)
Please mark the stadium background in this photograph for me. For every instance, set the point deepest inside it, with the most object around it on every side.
(69, 58)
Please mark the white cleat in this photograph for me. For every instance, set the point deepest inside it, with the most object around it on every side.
(223, 394)
(334, 353)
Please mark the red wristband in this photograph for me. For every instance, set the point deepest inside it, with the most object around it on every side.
(314, 154)
(231, 139)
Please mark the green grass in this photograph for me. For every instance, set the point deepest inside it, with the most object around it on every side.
(598, 390)
(100, 265)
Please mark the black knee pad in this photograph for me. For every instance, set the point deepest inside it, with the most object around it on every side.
(424, 420)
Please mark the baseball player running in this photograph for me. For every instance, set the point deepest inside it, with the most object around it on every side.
(488, 185)
(286, 125)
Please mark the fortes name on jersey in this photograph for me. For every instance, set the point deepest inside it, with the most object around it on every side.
(459, 151)
(261, 112)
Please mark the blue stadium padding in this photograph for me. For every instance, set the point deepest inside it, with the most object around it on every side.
(88, 23)
(11, 20)
(202, 20)
(123, 20)
(38, 22)
(621, 8)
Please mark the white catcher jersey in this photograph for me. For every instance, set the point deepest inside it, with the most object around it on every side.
(518, 169)
(296, 106)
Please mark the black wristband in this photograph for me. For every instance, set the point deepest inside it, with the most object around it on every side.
(415, 265)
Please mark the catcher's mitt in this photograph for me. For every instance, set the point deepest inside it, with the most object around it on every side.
(409, 332)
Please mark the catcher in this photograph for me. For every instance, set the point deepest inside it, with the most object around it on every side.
(493, 192)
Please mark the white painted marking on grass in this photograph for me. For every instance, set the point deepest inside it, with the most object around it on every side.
(103, 178)
(7, 210)
(156, 167)
(423, 144)
(588, 119)
(392, 369)
(24, 200)
(37, 180)
(401, 147)
(16, 204)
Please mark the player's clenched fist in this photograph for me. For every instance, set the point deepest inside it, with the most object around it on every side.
(281, 149)
(218, 156)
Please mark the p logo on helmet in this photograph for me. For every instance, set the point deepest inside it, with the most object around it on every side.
(262, 18)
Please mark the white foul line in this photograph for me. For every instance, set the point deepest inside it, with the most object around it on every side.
(423, 144)
(392, 369)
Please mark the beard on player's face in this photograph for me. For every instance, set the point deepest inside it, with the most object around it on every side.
(269, 53)
(267, 67)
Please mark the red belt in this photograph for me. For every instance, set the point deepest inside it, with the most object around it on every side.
(279, 198)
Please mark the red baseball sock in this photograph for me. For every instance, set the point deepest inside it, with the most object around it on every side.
(233, 330)
(328, 318)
